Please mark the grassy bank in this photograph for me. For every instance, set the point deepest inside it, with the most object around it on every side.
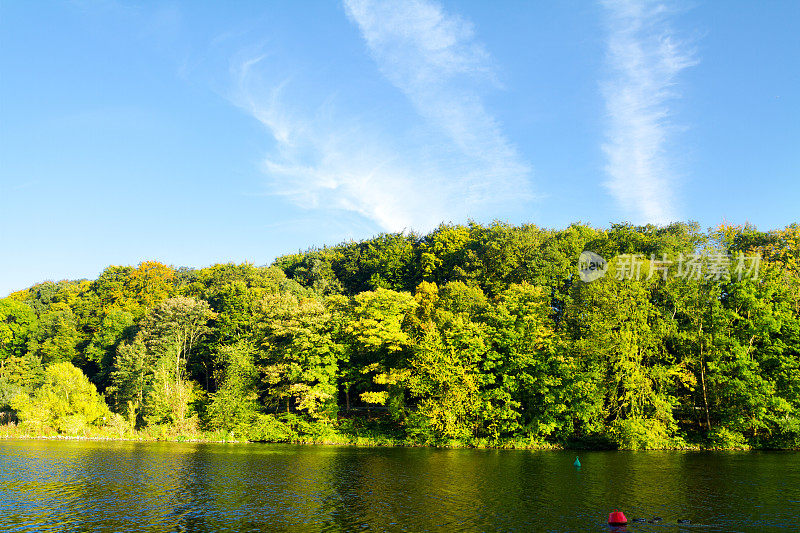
(345, 436)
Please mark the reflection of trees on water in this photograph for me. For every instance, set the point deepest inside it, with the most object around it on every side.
(456, 487)
(90, 486)
(248, 488)
(34, 485)
(344, 507)
(232, 488)
(130, 486)
(191, 501)
(190, 487)
(401, 489)
(103, 487)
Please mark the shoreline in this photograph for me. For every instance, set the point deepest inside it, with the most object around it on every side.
(554, 448)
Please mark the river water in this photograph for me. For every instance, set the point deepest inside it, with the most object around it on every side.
(127, 486)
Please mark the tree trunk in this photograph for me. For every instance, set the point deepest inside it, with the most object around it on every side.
(703, 382)
(703, 372)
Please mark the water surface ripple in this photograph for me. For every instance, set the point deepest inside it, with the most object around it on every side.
(129, 486)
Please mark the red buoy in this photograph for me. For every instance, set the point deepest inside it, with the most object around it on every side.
(617, 518)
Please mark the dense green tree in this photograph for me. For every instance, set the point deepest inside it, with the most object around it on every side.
(132, 378)
(18, 324)
(446, 388)
(299, 355)
(234, 293)
(544, 377)
(313, 269)
(376, 340)
(236, 404)
(472, 333)
(150, 372)
(619, 335)
(174, 328)
(171, 331)
(19, 375)
(387, 261)
(116, 326)
(66, 401)
(56, 339)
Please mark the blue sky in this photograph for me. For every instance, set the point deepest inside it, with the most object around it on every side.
(196, 133)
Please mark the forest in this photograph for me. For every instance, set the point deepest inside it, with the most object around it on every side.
(470, 335)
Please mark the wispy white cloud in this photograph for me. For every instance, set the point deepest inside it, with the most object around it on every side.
(435, 60)
(450, 162)
(645, 59)
(325, 159)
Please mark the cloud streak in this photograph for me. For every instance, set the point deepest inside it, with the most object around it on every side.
(448, 161)
(434, 59)
(323, 159)
(645, 60)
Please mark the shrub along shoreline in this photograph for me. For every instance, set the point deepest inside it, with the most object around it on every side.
(11, 433)
(469, 336)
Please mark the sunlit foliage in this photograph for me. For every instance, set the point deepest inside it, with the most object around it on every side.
(472, 334)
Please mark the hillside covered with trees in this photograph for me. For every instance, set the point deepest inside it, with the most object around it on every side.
(470, 335)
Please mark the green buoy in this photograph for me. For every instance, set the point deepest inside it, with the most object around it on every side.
(577, 463)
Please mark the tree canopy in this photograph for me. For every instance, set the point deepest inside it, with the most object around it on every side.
(469, 334)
